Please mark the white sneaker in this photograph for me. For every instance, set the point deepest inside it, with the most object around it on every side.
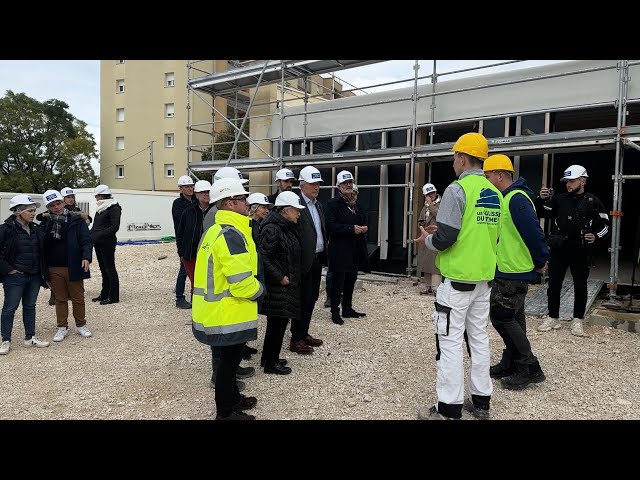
(60, 334)
(5, 347)
(84, 331)
(34, 342)
(576, 328)
(548, 324)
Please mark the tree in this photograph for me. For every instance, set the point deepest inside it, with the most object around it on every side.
(43, 146)
(222, 151)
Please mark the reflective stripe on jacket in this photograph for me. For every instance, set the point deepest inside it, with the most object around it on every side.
(224, 307)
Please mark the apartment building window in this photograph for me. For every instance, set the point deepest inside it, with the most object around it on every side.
(120, 86)
(169, 140)
(119, 171)
(119, 114)
(169, 79)
(169, 170)
(119, 143)
(119, 62)
(168, 110)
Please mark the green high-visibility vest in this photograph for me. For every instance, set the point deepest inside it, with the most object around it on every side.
(513, 255)
(472, 258)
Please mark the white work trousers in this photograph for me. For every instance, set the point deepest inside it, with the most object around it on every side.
(470, 312)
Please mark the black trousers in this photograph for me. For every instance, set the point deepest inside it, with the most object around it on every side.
(273, 337)
(342, 284)
(227, 393)
(575, 258)
(107, 261)
(507, 317)
(309, 293)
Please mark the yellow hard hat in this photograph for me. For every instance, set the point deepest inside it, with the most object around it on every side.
(473, 144)
(497, 162)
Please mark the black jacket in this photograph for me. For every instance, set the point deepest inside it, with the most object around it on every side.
(189, 231)
(180, 204)
(10, 249)
(308, 236)
(281, 254)
(347, 251)
(78, 239)
(575, 215)
(105, 226)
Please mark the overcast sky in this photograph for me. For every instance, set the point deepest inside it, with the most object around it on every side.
(77, 82)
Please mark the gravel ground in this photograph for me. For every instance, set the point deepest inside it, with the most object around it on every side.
(143, 362)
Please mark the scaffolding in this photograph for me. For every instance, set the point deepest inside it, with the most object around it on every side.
(251, 76)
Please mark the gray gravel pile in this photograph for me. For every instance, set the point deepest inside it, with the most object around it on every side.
(143, 362)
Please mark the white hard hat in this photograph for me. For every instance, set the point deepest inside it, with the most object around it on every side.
(285, 174)
(225, 188)
(202, 186)
(259, 198)
(288, 199)
(101, 190)
(67, 191)
(51, 196)
(428, 188)
(310, 174)
(185, 180)
(343, 176)
(22, 199)
(573, 172)
(229, 172)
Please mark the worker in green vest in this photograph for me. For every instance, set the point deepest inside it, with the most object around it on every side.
(466, 238)
(522, 254)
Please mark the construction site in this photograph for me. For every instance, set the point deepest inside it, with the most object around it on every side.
(544, 117)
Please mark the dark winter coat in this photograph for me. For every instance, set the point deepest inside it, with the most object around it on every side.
(16, 248)
(180, 204)
(105, 226)
(78, 240)
(281, 255)
(347, 252)
(189, 231)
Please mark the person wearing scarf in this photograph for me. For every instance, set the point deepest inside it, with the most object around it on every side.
(345, 222)
(103, 234)
(68, 251)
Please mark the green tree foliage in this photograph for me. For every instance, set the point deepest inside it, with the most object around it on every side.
(222, 150)
(43, 146)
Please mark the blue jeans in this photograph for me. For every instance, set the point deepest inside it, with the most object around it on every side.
(181, 281)
(25, 287)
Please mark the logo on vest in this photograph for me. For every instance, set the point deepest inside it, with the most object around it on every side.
(488, 206)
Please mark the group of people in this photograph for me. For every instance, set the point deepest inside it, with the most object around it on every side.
(55, 253)
(253, 253)
(489, 246)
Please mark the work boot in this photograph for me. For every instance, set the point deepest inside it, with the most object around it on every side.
(549, 323)
(479, 413)
(504, 368)
(426, 413)
(351, 313)
(337, 319)
(245, 372)
(576, 328)
(327, 303)
(525, 374)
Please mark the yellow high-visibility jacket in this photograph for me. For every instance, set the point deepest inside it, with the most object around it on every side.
(225, 288)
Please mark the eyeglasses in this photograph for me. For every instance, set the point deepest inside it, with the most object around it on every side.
(241, 197)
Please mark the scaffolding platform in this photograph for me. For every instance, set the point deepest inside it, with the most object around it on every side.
(536, 304)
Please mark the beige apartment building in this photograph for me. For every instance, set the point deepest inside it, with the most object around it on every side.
(143, 118)
(147, 114)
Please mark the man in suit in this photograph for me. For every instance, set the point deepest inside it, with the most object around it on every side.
(314, 247)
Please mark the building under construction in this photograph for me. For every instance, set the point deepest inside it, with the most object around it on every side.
(544, 117)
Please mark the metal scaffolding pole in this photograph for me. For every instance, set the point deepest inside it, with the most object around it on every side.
(616, 212)
(412, 163)
(281, 139)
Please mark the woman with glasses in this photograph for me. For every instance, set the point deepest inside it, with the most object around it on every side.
(23, 270)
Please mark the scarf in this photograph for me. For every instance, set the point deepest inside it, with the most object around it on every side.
(57, 221)
(350, 199)
(102, 205)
